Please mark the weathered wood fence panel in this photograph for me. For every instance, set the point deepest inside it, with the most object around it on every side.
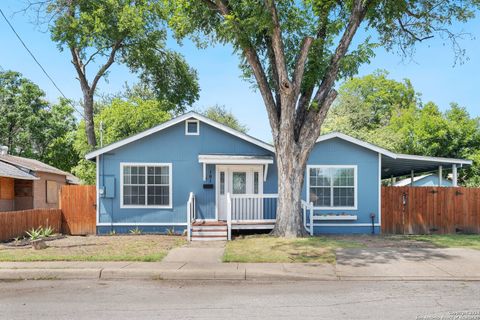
(425, 210)
(78, 205)
(14, 223)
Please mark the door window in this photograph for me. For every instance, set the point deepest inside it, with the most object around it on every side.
(222, 183)
(255, 182)
(239, 182)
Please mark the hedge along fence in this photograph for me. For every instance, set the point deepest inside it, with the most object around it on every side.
(14, 223)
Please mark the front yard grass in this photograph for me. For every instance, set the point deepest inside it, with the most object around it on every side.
(272, 249)
(146, 248)
(471, 241)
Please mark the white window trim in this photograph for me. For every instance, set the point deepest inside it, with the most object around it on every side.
(145, 206)
(355, 185)
(192, 133)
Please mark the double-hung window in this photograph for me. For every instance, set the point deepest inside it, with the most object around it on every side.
(146, 185)
(332, 187)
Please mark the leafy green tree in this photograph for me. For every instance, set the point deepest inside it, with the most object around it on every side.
(295, 51)
(221, 114)
(30, 127)
(120, 119)
(405, 124)
(365, 106)
(21, 105)
(453, 133)
(56, 137)
(99, 33)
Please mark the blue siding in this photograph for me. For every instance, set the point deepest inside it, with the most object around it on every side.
(171, 145)
(432, 181)
(339, 152)
(103, 230)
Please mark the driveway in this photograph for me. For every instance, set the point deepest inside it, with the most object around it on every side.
(408, 263)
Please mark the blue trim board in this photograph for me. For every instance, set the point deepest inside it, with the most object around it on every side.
(105, 230)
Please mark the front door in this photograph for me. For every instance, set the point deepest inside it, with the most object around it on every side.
(238, 179)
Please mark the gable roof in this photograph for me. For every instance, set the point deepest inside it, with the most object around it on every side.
(356, 141)
(174, 121)
(408, 181)
(31, 164)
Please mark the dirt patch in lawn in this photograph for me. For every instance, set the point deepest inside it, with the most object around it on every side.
(385, 241)
(96, 248)
(273, 249)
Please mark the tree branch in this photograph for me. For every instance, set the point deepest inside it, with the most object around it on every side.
(110, 61)
(278, 49)
(300, 65)
(80, 68)
(310, 126)
(356, 17)
(306, 95)
(413, 35)
(258, 71)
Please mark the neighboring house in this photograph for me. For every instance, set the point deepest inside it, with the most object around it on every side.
(427, 180)
(29, 184)
(192, 171)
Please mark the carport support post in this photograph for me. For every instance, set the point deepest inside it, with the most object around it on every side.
(412, 175)
(440, 175)
(454, 175)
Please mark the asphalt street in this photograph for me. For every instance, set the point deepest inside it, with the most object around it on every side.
(98, 299)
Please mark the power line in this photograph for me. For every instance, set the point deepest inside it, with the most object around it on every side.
(39, 64)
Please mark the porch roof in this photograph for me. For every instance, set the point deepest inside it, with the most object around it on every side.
(234, 159)
(403, 164)
(10, 171)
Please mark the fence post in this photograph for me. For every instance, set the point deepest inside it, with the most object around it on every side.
(229, 217)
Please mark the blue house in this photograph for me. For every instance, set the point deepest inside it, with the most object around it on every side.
(196, 175)
(426, 180)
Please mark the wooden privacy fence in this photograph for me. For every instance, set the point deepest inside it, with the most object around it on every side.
(78, 205)
(425, 210)
(14, 223)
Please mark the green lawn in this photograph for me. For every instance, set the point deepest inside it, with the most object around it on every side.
(450, 240)
(97, 248)
(273, 249)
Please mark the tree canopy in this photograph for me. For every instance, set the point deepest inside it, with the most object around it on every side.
(32, 127)
(221, 114)
(99, 33)
(406, 125)
(120, 119)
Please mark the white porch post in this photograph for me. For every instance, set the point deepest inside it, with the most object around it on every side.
(440, 175)
(311, 218)
(412, 175)
(454, 175)
(229, 217)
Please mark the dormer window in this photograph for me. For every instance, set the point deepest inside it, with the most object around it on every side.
(192, 127)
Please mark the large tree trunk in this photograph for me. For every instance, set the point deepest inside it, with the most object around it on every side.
(289, 222)
(89, 124)
(291, 162)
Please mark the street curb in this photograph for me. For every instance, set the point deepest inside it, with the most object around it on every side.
(49, 274)
(142, 274)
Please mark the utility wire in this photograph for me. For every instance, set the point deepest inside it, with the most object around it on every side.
(39, 64)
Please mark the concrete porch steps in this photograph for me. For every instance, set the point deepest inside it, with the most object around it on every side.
(209, 231)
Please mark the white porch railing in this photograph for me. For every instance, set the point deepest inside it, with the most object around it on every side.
(307, 208)
(191, 214)
(253, 207)
(257, 208)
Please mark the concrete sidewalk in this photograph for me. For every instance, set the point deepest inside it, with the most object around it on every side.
(352, 264)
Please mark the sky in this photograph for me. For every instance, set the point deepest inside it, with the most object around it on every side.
(432, 70)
